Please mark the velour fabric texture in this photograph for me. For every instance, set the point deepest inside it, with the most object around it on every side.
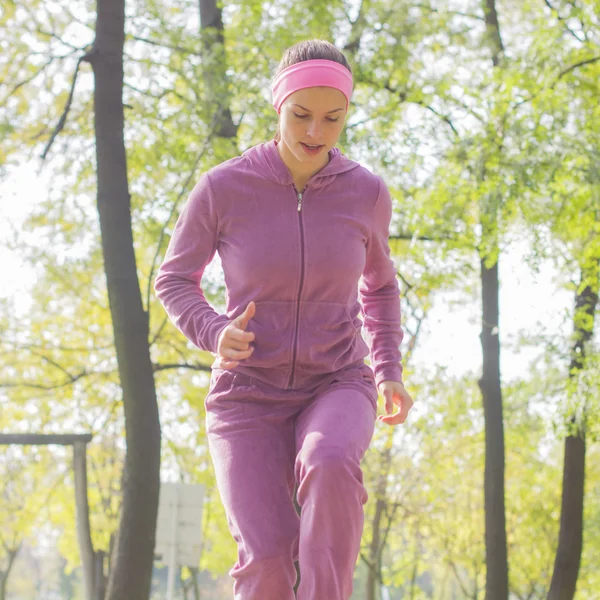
(313, 273)
(263, 440)
(301, 410)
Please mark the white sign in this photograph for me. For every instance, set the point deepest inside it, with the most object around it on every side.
(179, 527)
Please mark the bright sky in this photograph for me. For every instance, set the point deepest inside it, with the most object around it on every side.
(451, 335)
(18, 195)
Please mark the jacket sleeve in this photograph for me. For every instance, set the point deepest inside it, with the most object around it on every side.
(177, 285)
(379, 295)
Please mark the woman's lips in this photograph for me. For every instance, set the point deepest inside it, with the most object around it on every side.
(311, 150)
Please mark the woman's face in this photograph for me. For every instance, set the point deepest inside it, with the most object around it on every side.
(310, 123)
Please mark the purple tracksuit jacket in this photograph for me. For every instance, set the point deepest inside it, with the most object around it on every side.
(313, 262)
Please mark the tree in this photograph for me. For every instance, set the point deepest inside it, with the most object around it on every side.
(569, 212)
(132, 561)
(490, 384)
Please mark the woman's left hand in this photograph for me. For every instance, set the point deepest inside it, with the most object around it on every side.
(394, 393)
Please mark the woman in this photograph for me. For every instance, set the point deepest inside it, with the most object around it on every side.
(302, 232)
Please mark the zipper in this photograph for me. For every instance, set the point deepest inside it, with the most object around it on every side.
(297, 322)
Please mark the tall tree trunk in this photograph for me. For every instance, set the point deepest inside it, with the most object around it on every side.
(215, 67)
(495, 518)
(490, 383)
(570, 538)
(131, 565)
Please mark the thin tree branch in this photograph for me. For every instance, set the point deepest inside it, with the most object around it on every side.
(367, 562)
(450, 12)
(390, 521)
(403, 97)
(39, 386)
(146, 93)
(216, 118)
(159, 330)
(563, 21)
(29, 79)
(444, 118)
(163, 45)
(457, 575)
(53, 363)
(63, 118)
(414, 339)
(582, 63)
(59, 39)
(564, 72)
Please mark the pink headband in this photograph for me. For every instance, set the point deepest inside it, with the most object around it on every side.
(311, 73)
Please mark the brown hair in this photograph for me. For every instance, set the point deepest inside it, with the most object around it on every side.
(310, 50)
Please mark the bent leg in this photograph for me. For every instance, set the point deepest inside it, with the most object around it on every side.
(332, 435)
(253, 459)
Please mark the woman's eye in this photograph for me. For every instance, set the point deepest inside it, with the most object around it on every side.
(331, 120)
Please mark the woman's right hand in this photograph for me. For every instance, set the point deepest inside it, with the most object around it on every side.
(233, 344)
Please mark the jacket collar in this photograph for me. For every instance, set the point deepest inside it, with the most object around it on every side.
(265, 159)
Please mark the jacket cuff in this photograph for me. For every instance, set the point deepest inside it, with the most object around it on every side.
(388, 373)
(213, 333)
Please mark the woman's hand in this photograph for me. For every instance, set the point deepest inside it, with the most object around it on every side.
(394, 393)
(234, 341)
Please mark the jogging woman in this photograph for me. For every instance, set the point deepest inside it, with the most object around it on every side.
(302, 233)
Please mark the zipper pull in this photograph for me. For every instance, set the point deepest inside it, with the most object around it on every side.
(299, 201)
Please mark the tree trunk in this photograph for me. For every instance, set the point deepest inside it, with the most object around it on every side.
(415, 570)
(376, 547)
(12, 554)
(373, 578)
(194, 571)
(496, 553)
(99, 578)
(84, 535)
(495, 518)
(215, 67)
(131, 565)
(570, 538)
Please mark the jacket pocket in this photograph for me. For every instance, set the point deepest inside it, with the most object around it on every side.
(272, 326)
(328, 338)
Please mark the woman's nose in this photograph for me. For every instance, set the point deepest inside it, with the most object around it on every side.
(314, 129)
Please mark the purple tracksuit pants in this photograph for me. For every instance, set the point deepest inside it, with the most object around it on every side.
(263, 440)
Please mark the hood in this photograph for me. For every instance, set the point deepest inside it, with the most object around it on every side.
(265, 159)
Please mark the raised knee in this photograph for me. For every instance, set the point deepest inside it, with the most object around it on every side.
(327, 459)
(267, 578)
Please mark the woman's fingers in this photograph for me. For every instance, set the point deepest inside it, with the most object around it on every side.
(235, 344)
(236, 339)
(239, 335)
(228, 364)
(404, 402)
(229, 353)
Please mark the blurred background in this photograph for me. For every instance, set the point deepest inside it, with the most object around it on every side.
(483, 117)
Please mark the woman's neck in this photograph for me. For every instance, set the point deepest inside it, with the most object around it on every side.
(300, 173)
